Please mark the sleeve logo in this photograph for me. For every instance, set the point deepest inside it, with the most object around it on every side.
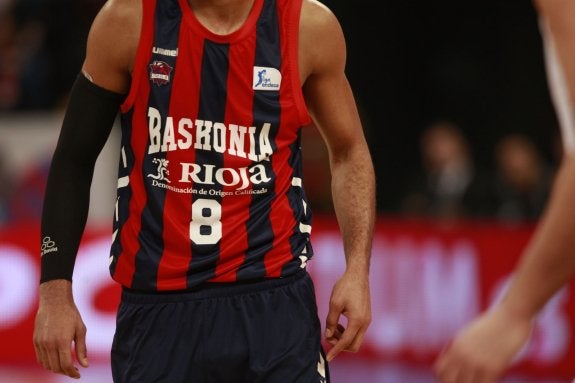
(48, 246)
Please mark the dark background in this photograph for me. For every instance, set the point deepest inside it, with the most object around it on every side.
(477, 63)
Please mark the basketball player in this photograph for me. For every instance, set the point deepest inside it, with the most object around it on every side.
(211, 228)
(485, 348)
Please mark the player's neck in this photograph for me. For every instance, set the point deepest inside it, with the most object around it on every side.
(221, 16)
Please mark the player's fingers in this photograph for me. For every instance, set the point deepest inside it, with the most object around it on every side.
(467, 375)
(475, 374)
(43, 357)
(332, 319)
(359, 324)
(53, 358)
(444, 368)
(66, 364)
(483, 374)
(357, 341)
(451, 366)
(343, 343)
(453, 369)
(80, 345)
(38, 350)
(454, 377)
(480, 377)
(449, 375)
(338, 332)
(439, 364)
(358, 329)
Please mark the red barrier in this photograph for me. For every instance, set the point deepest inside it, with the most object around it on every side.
(427, 281)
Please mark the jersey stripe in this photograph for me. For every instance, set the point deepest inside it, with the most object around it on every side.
(177, 212)
(290, 207)
(212, 104)
(125, 267)
(238, 110)
(302, 213)
(266, 110)
(124, 192)
(122, 269)
(166, 30)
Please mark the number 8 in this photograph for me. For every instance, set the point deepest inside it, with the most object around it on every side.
(206, 224)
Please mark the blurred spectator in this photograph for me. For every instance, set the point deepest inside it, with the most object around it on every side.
(449, 185)
(9, 57)
(24, 68)
(523, 179)
(68, 23)
(42, 46)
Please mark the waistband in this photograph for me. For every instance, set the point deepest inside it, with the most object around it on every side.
(209, 290)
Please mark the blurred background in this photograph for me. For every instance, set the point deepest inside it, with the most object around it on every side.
(455, 105)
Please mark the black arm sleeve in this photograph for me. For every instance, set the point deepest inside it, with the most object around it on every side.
(88, 121)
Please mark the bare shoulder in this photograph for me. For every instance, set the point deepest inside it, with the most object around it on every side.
(552, 5)
(113, 42)
(121, 10)
(319, 24)
(318, 10)
(317, 20)
(118, 24)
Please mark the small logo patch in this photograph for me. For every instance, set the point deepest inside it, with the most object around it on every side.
(160, 72)
(266, 78)
(48, 246)
(162, 171)
(165, 52)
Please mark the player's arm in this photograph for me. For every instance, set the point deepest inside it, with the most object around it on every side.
(332, 106)
(92, 108)
(559, 16)
(549, 261)
(485, 348)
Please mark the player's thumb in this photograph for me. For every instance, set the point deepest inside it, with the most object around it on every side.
(80, 345)
(332, 320)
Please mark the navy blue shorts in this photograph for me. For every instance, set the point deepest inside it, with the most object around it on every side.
(262, 332)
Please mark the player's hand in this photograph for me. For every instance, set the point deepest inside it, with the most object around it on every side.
(350, 298)
(484, 349)
(58, 329)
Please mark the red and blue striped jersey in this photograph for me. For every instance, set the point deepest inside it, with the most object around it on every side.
(210, 177)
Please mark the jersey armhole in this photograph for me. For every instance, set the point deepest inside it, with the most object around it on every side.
(293, 46)
(142, 54)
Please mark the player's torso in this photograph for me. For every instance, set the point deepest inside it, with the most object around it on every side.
(210, 183)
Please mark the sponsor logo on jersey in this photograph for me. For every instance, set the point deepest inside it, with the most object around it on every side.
(48, 246)
(165, 52)
(161, 171)
(266, 78)
(204, 177)
(169, 134)
(239, 178)
(160, 72)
